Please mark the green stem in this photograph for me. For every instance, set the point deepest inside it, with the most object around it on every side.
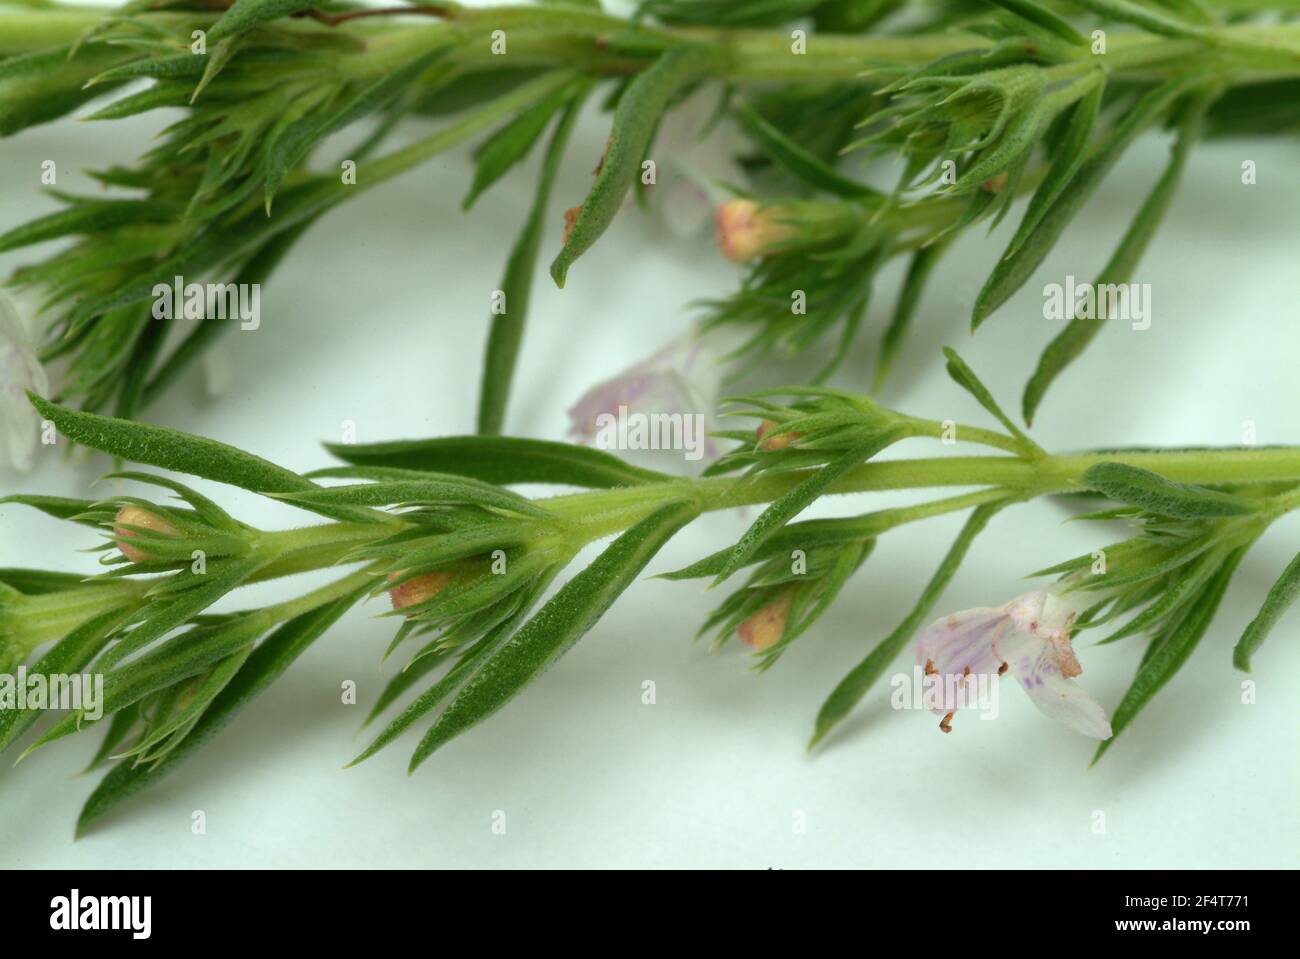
(582, 518)
(600, 43)
(346, 586)
(1038, 477)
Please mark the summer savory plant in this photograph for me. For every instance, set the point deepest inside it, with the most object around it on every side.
(848, 133)
(468, 564)
(976, 103)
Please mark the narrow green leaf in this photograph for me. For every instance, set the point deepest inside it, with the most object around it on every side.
(636, 118)
(184, 453)
(1070, 154)
(1066, 346)
(799, 161)
(46, 84)
(433, 489)
(60, 507)
(1014, 269)
(203, 590)
(919, 269)
(502, 460)
(1141, 16)
(217, 60)
(855, 685)
(170, 449)
(163, 736)
(1042, 17)
(68, 656)
(782, 510)
(87, 216)
(1183, 589)
(1170, 650)
(172, 662)
(965, 377)
(266, 663)
(287, 152)
(468, 665)
(513, 142)
(245, 15)
(507, 330)
(34, 582)
(564, 620)
(1278, 601)
(119, 727)
(210, 512)
(406, 680)
(1154, 493)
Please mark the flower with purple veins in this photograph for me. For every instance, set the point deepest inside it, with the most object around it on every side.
(1030, 636)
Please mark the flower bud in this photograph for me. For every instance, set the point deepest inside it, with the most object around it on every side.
(764, 629)
(746, 232)
(773, 443)
(418, 589)
(143, 519)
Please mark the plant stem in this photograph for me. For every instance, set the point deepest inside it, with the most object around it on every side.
(1029, 478)
(604, 44)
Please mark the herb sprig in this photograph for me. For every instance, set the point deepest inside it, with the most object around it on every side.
(468, 563)
(984, 102)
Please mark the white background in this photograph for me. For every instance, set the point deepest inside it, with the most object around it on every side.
(378, 317)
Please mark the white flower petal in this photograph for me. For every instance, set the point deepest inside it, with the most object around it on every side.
(1033, 659)
(963, 641)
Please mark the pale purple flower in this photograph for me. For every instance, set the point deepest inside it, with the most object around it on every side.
(20, 371)
(1029, 636)
(681, 381)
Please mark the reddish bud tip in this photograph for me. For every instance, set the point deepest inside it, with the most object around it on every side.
(143, 519)
(763, 630)
(772, 443)
(418, 589)
(746, 232)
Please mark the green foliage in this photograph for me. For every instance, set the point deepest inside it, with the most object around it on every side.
(1171, 647)
(1280, 597)
(1012, 103)
(506, 334)
(797, 585)
(640, 108)
(266, 663)
(1155, 494)
(570, 614)
(498, 459)
(1071, 341)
